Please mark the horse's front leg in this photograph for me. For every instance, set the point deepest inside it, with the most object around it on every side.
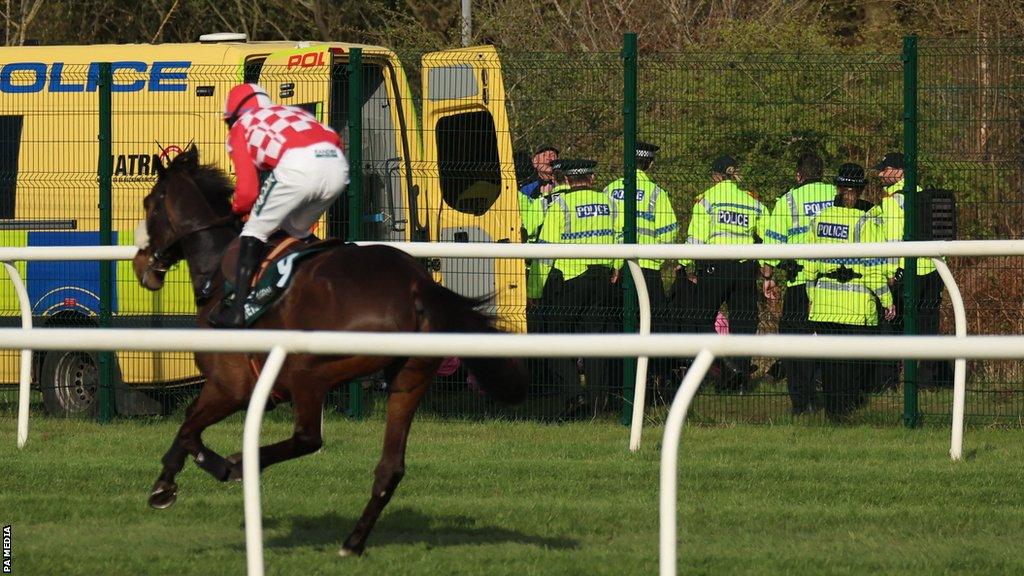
(211, 406)
(408, 388)
(165, 490)
(308, 401)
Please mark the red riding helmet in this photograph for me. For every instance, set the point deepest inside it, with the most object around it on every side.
(244, 97)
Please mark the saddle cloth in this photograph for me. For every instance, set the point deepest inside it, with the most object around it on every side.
(275, 273)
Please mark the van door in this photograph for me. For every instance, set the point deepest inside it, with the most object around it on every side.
(317, 80)
(386, 162)
(469, 174)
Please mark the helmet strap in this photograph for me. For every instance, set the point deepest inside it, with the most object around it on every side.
(234, 113)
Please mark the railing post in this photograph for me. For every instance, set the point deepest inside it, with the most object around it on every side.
(911, 414)
(629, 121)
(106, 170)
(355, 186)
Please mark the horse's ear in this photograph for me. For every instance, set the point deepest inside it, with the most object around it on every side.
(161, 170)
(190, 158)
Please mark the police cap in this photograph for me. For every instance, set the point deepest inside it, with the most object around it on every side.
(891, 160)
(646, 150)
(723, 163)
(556, 165)
(577, 167)
(851, 175)
(546, 148)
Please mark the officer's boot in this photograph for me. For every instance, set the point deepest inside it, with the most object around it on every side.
(232, 315)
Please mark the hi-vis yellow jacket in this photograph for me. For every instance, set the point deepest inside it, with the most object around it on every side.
(656, 221)
(890, 211)
(846, 290)
(726, 214)
(791, 218)
(579, 216)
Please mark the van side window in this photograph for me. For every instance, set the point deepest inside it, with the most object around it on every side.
(253, 67)
(468, 162)
(10, 145)
(311, 107)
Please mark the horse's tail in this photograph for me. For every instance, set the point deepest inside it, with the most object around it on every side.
(504, 379)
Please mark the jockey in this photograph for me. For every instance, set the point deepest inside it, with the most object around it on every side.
(307, 171)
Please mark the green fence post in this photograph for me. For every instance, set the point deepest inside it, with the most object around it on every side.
(911, 415)
(355, 186)
(106, 170)
(629, 121)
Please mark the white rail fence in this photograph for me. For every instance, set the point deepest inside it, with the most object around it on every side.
(630, 253)
(280, 343)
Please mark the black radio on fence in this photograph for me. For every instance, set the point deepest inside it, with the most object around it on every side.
(936, 214)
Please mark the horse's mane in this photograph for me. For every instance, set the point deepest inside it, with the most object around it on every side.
(215, 186)
(211, 181)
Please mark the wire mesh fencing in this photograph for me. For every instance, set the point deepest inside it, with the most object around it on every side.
(474, 145)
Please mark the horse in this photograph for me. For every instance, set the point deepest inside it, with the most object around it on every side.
(344, 287)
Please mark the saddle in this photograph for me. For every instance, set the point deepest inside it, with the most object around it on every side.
(278, 246)
(275, 272)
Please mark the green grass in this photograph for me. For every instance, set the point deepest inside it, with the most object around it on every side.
(524, 498)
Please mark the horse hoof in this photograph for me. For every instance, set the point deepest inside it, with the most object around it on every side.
(348, 552)
(163, 496)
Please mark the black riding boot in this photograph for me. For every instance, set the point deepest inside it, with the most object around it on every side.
(232, 315)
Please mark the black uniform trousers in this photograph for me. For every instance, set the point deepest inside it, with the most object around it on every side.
(846, 382)
(799, 371)
(930, 373)
(727, 282)
(588, 303)
(663, 317)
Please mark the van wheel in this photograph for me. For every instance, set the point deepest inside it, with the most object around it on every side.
(70, 382)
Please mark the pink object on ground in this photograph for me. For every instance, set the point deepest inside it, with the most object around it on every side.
(721, 324)
(448, 366)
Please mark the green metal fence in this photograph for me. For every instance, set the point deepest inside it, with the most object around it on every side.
(763, 109)
(971, 140)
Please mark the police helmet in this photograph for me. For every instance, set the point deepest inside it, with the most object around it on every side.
(851, 175)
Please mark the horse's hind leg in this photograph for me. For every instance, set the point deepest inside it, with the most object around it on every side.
(308, 401)
(406, 391)
(211, 406)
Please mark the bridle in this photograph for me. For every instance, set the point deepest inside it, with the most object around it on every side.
(160, 262)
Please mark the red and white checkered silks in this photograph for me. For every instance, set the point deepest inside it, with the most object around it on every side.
(269, 132)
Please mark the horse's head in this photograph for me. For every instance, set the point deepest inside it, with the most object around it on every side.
(187, 198)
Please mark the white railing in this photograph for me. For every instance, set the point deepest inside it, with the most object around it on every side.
(705, 347)
(629, 252)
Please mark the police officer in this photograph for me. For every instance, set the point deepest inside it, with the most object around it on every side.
(929, 285)
(533, 194)
(537, 274)
(581, 290)
(533, 203)
(540, 305)
(789, 224)
(656, 223)
(846, 293)
(727, 214)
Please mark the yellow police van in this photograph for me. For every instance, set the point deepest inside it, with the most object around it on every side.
(449, 178)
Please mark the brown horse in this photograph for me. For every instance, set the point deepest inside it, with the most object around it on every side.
(345, 287)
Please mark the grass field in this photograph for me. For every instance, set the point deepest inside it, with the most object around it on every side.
(524, 498)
